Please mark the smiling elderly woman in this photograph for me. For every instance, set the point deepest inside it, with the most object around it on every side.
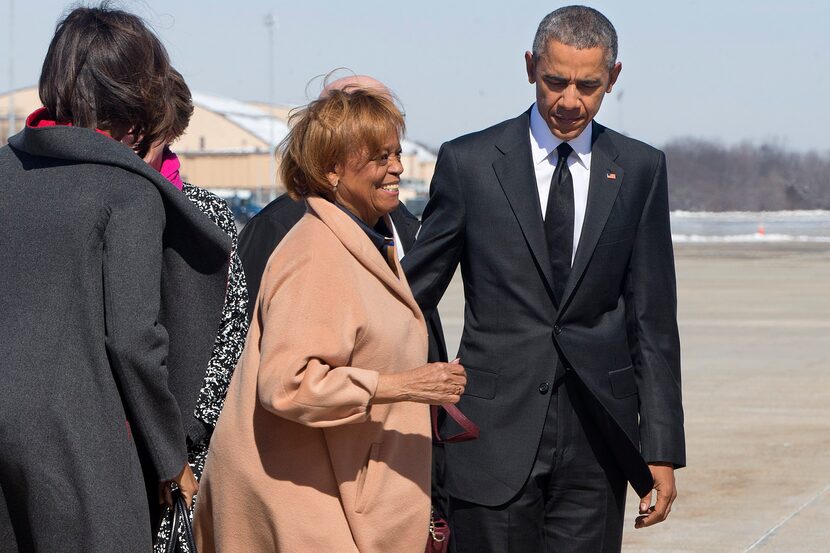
(324, 442)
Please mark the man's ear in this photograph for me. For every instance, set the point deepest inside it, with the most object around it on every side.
(530, 65)
(615, 73)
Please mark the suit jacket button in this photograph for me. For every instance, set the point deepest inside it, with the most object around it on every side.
(557, 330)
(544, 387)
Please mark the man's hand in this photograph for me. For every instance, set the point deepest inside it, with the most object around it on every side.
(663, 474)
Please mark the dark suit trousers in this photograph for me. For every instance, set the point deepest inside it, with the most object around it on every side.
(572, 502)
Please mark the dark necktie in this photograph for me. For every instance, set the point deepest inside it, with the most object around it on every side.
(559, 221)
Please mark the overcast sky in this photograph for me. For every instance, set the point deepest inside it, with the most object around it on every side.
(729, 70)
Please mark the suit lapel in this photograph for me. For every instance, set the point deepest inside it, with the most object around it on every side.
(406, 227)
(602, 192)
(515, 173)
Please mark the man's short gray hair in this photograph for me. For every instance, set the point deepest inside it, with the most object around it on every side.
(578, 26)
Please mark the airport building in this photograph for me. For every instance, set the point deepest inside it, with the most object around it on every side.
(229, 143)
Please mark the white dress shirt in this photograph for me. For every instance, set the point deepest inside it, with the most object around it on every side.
(396, 237)
(543, 146)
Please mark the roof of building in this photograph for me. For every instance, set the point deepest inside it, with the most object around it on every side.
(255, 119)
(219, 125)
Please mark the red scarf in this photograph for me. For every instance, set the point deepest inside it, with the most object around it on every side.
(40, 119)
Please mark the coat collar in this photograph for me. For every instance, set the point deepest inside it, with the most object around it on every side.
(514, 170)
(362, 249)
(87, 146)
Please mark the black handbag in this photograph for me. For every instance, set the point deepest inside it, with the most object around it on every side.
(181, 530)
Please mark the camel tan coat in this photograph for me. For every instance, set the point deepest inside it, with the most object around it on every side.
(300, 460)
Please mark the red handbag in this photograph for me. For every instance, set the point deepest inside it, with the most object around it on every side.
(470, 432)
(439, 531)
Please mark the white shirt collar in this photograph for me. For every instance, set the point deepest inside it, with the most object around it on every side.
(543, 142)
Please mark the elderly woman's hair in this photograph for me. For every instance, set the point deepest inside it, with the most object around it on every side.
(105, 69)
(330, 131)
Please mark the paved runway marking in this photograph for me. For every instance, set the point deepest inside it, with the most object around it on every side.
(775, 528)
(754, 323)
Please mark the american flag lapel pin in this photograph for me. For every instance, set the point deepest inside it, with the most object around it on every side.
(610, 175)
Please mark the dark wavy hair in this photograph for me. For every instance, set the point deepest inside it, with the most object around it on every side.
(105, 69)
(182, 102)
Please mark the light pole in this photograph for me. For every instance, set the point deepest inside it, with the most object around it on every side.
(270, 23)
(12, 119)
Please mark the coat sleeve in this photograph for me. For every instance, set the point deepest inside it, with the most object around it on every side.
(651, 300)
(311, 324)
(136, 342)
(431, 263)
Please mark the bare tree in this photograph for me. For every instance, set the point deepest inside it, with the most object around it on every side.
(706, 176)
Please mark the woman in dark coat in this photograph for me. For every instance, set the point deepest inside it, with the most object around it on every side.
(112, 288)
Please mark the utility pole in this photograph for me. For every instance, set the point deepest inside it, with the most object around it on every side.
(270, 23)
(12, 118)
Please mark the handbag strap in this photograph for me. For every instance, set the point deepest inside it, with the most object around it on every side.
(470, 429)
(170, 546)
(181, 520)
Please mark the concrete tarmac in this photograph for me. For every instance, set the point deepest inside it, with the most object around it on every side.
(755, 331)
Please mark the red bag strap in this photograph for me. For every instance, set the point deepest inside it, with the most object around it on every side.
(470, 432)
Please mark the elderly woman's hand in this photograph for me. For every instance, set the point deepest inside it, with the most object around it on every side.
(433, 383)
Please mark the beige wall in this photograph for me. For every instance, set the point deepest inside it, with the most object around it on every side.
(246, 171)
(414, 169)
(25, 102)
(211, 131)
(280, 112)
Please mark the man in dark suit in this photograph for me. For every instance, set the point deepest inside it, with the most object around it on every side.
(570, 342)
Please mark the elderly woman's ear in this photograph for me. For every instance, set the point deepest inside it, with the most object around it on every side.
(333, 177)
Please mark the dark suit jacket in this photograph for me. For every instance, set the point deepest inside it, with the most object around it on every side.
(616, 327)
(261, 235)
(268, 227)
